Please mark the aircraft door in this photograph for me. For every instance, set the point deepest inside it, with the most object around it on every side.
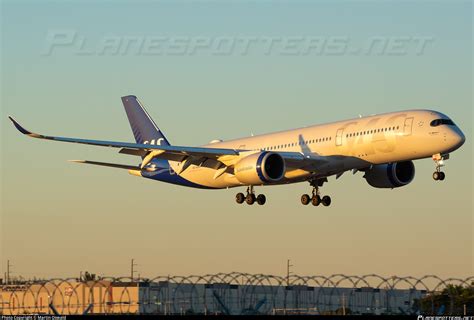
(339, 136)
(407, 128)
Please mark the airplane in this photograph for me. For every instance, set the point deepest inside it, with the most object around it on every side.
(382, 146)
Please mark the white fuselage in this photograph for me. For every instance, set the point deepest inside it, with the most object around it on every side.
(350, 144)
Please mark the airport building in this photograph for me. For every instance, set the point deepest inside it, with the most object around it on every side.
(171, 297)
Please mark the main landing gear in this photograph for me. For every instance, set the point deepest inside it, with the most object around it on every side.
(439, 175)
(315, 198)
(250, 198)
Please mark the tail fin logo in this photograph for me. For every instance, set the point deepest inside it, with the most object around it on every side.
(154, 142)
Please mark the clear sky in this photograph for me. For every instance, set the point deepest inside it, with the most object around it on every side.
(65, 66)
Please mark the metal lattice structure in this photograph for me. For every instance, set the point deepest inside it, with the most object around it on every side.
(223, 293)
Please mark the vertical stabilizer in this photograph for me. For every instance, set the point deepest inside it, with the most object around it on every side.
(144, 128)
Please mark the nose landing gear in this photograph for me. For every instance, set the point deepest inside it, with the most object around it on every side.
(439, 175)
(315, 198)
(250, 198)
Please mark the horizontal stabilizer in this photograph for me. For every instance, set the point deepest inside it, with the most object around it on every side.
(105, 164)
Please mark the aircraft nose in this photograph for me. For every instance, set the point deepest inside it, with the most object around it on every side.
(458, 139)
(462, 138)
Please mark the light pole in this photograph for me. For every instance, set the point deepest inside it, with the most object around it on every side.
(288, 272)
(132, 271)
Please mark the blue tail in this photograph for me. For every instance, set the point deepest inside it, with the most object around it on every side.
(143, 127)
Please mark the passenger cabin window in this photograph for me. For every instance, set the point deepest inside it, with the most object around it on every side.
(439, 122)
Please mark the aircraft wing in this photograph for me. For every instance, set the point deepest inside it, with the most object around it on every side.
(134, 147)
(209, 157)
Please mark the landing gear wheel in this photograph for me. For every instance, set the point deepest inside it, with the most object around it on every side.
(261, 199)
(326, 201)
(315, 197)
(250, 198)
(439, 175)
(305, 199)
(316, 200)
(239, 198)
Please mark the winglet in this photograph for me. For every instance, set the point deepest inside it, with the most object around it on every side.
(18, 126)
(21, 129)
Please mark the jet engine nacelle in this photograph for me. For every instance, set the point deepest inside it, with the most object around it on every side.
(392, 175)
(260, 168)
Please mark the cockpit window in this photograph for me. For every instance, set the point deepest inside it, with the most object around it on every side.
(439, 122)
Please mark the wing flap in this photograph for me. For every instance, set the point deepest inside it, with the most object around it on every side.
(133, 152)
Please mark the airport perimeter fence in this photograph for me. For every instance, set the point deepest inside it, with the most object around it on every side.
(238, 293)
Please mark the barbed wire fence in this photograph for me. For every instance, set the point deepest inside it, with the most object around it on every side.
(229, 293)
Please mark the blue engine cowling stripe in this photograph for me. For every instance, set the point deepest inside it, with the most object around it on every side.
(259, 167)
(391, 177)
